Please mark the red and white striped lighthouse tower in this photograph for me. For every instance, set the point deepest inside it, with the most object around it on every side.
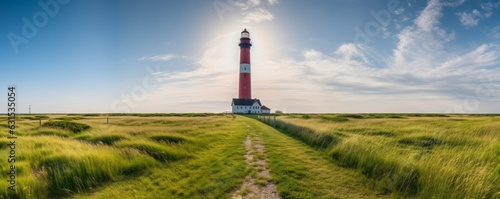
(245, 90)
(244, 104)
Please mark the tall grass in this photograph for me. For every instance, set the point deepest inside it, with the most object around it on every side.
(198, 157)
(53, 167)
(183, 153)
(157, 151)
(428, 156)
(107, 139)
(391, 173)
(66, 125)
(307, 135)
(168, 139)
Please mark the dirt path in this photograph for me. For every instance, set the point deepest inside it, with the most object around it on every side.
(257, 184)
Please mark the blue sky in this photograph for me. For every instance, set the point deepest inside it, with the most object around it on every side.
(69, 56)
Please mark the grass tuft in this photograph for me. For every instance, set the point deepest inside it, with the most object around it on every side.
(421, 141)
(103, 139)
(168, 139)
(355, 116)
(68, 118)
(66, 125)
(381, 133)
(334, 118)
(307, 135)
(306, 117)
(54, 133)
(36, 117)
(158, 152)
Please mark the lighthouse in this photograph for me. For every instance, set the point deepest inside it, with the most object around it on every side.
(245, 88)
(244, 104)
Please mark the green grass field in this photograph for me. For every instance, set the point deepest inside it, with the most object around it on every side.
(424, 156)
(205, 156)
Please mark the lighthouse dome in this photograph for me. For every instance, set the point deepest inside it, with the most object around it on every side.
(245, 34)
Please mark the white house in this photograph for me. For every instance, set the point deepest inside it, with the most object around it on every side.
(265, 110)
(248, 106)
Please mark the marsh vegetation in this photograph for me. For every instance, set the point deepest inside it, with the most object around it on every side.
(306, 156)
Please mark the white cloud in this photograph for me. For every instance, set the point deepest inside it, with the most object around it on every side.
(488, 8)
(164, 57)
(469, 19)
(472, 18)
(272, 2)
(312, 54)
(246, 5)
(399, 11)
(484, 55)
(352, 53)
(418, 41)
(451, 3)
(257, 15)
(333, 83)
(428, 18)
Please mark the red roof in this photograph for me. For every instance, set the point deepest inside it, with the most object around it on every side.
(264, 108)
